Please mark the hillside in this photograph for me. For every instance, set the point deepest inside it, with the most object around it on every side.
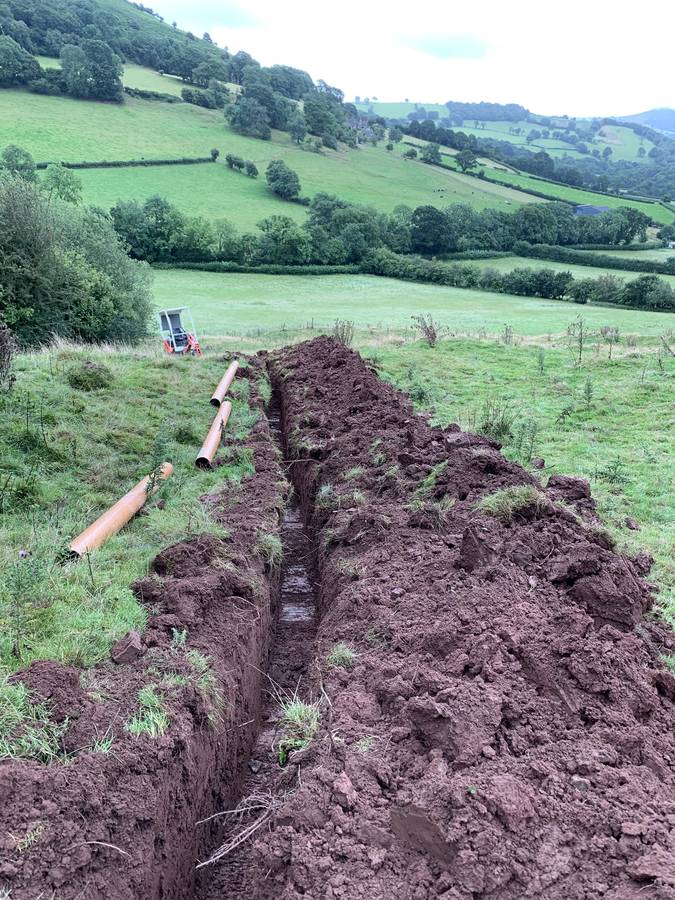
(661, 119)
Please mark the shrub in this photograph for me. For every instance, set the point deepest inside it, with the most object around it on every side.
(343, 331)
(496, 419)
(251, 169)
(428, 328)
(89, 376)
(282, 180)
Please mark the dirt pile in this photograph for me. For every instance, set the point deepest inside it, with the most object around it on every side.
(506, 729)
(118, 821)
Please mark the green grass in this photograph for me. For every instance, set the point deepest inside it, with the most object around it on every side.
(209, 190)
(299, 723)
(508, 502)
(507, 263)
(152, 718)
(342, 656)
(26, 731)
(77, 455)
(134, 76)
(261, 307)
(623, 442)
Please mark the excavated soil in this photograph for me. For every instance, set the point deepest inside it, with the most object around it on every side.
(507, 728)
(123, 825)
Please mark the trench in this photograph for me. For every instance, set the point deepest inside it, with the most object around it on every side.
(235, 875)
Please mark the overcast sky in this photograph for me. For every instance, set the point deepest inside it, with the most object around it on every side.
(575, 57)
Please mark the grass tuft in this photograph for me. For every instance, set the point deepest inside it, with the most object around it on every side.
(505, 504)
(26, 731)
(342, 656)
(152, 718)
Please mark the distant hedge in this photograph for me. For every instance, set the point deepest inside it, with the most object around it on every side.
(152, 95)
(265, 269)
(648, 245)
(588, 258)
(130, 163)
(476, 254)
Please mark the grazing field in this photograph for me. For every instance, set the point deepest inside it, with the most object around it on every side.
(362, 176)
(134, 76)
(565, 192)
(620, 433)
(277, 306)
(506, 263)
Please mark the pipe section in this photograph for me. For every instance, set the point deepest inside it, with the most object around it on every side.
(212, 441)
(114, 519)
(224, 384)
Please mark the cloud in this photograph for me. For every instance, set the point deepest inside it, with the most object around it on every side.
(451, 46)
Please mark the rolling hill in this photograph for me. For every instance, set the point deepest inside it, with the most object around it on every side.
(662, 119)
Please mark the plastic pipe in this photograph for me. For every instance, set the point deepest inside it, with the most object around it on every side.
(224, 384)
(212, 441)
(118, 515)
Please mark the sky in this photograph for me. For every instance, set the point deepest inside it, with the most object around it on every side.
(575, 57)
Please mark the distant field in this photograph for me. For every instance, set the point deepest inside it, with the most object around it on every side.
(506, 263)
(256, 305)
(661, 254)
(623, 141)
(564, 192)
(134, 76)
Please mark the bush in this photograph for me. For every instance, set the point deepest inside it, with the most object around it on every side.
(7, 353)
(587, 258)
(89, 377)
(282, 180)
(251, 169)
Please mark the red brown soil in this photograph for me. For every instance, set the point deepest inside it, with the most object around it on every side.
(122, 825)
(507, 730)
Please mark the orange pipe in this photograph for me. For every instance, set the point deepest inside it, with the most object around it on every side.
(224, 384)
(212, 441)
(118, 515)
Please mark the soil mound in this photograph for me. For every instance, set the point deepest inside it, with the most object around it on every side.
(506, 728)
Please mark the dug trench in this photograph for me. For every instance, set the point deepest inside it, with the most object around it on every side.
(502, 724)
(493, 715)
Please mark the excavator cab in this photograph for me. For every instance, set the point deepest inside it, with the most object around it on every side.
(177, 337)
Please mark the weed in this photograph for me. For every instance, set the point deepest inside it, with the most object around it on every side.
(427, 328)
(26, 731)
(103, 744)
(541, 360)
(565, 413)
(343, 331)
(186, 435)
(160, 447)
(376, 638)
(152, 718)
(300, 722)
(22, 590)
(29, 839)
(354, 472)
(505, 504)
(89, 376)
(588, 392)
(428, 484)
(525, 438)
(207, 682)
(418, 392)
(342, 656)
(349, 570)
(358, 497)
(269, 548)
(670, 662)
(178, 638)
(610, 335)
(507, 335)
(496, 419)
(613, 473)
(364, 744)
(174, 679)
(325, 497)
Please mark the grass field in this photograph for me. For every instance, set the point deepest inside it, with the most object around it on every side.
(277, 306)
(506, 263)
(623, 141)
(562, 191)
(134, 76)
(622, 440)
(65, 457)
(362, 176)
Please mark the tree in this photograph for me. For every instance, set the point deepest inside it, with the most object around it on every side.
(215, 153)
(251, 168)
(248, 116)
(606, 153)
(641, 152)
(297, 126)
(16, 65)
(466, 159)
(431, 153)
(92, 71)
(283, 241)
(18, 162)
(395, 134)
(152, 230)
(214, 68)
(63, 183)
(282, 180)
(428, 230)
(64, 270)
(410, 153)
